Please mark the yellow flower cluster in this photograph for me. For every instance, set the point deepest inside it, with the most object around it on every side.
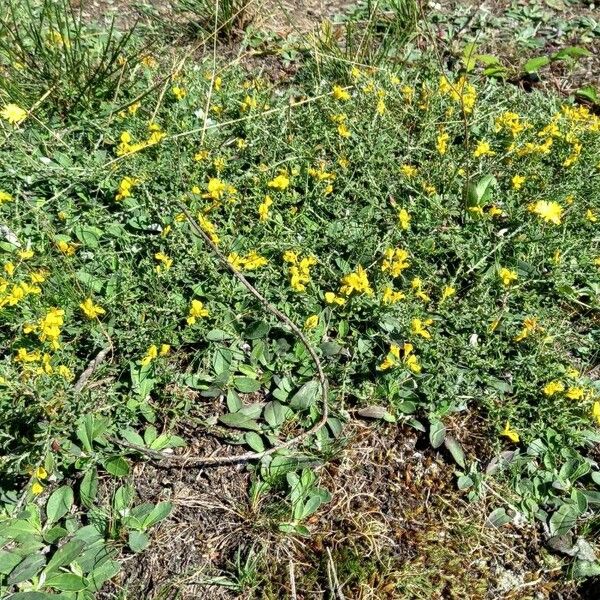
(264, 208)
(356, 282)
(395, 261)
(250, 262)
(218, 190)
(401, 355)
(154, 352)
(48, 327)
(125, 187)
(299, 269)
(209, 228)
(127, 146)
(461, 91)
(197, 311)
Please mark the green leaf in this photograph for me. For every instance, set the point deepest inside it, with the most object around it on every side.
(59, 503)
(66, 582)
(480, 193)
(88, 235)
(239, 420)
(588, 92)
(535, 64)
(33, 596)
(29, 567)
(574, 52)
(246, 385)
(254, 441)
(257, 330)
(137, 541)
(90, 281)
(88, 488)
(498, 518)
(218, 335)
(563, 520)
(222, 360)
(437, 433)
(274, 414)
(8, 561)
(585, 568)
(103, 573)
(305, 397)
(65, 555)
(234, 402)
(117, 466)
(161, 511)
(456, 450)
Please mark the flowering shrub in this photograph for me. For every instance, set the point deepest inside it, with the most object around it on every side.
(437, 237)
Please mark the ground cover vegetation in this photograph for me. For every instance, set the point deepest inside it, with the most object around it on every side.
(433, 232)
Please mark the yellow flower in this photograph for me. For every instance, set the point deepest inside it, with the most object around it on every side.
(24, 356)
(217, 189)
(390, 296)
(4, 197)
(404, 218)
(248, 103)
(65, 372)
(37, 488)
(357, 281)
(554, 387)
(441, 142)
(507, 276)
(409, 359)
(151, 354)
(9, 268)
(26, 254)
(178, 92)
(447, 292)
(510, 121)
(395, 261)
(590, 215)
(483, 149)
(596, 412)
(339, 93)
(166, 262)
(494, 211)
(408, 171)
(41, 473)
(343, 130)
(201, 155)
(263, 209)
(125, 187)
(236, 261)
(510, 433)
(13, 113)
(49, 326)
(332, 298)
(66, 248)
(197, 311)
(208, 228)
(281, 182)
(418, 327)
(91, 310)
(417, 286)
(253, 261)
(517, 182)
(575, 393)
(311, 322)
(381, 108)
(165, 349)
(530, 325)
(550, 212)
